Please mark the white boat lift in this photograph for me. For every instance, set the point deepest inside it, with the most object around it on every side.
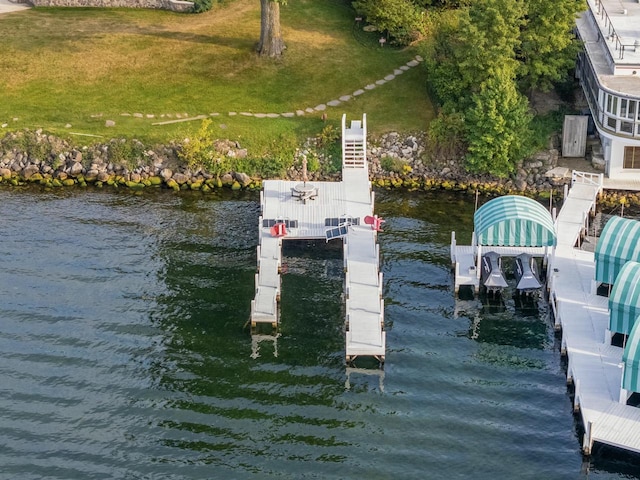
(327, 210)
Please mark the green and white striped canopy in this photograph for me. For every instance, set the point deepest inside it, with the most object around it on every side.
(631, 359)
(514, 221)
(624, 301)
(619, 242)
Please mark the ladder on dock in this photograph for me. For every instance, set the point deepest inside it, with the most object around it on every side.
(354, 148)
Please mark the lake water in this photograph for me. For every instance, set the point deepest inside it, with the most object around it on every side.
(123, 352)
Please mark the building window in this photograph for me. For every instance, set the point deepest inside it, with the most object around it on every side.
(631, 157)
(611, 123)
(633, 107)
(612, 104)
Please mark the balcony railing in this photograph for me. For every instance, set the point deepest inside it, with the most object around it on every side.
(612, 35)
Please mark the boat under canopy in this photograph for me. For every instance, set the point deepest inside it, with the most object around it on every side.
(619, 243)
(525, 270)
(492, 276)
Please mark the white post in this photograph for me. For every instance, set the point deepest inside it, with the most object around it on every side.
(624, 394)
(453, 248)
(588, 434)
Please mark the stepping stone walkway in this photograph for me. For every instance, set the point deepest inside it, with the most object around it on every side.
(323, 106)
(184, 117)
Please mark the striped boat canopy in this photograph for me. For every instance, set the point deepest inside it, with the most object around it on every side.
(619, 242)
(631, 359)
(514, 221)
(624, 301)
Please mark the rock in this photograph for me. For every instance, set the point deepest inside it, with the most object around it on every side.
(558, 172)
(76, 169)
(180, 178)
(166, 173)
(520, 185)
(109, 123)
(533, 164)
(227, 179)
(242, 178)
(103, 177)
(29, 171)
(598, 163)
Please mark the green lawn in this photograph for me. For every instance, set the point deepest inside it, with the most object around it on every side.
(83, 66)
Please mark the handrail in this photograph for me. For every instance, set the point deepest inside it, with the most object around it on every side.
(612, 34)
(596, 179)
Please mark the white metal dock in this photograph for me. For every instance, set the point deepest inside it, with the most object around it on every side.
(330, 211)
(594, 367)
(594, 364)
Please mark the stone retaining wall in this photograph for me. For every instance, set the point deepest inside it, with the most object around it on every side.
(39, 159)
(173, 5)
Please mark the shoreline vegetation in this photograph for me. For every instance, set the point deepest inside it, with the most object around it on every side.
(37, 159)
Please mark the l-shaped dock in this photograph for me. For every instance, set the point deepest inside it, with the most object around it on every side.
(330, 211)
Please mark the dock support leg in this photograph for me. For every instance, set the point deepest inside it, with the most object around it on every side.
(587, 442)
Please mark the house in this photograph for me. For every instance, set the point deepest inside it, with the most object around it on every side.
(609, 71)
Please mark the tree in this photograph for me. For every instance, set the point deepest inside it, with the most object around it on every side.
(401, 19)
(471, 46)
(548, 49)
(496, 126)
(271, 43)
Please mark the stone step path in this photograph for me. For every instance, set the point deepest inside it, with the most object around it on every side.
(322, 107)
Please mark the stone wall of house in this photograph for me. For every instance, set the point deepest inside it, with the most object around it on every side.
(173, 5)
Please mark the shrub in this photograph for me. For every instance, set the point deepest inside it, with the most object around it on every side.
(125, 152)
(394, 164)
(200, 6)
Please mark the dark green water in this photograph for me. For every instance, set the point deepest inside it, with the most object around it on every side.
(123, 354)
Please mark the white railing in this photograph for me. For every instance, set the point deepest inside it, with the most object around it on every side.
(596, 179)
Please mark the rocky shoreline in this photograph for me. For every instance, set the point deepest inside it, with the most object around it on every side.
(395, 161)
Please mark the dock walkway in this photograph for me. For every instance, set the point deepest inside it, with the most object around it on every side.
(594, 367)
(328, 211)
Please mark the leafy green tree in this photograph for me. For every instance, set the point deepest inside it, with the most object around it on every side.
(403, 20)
(271, 43)
(471, 46)
(548, 48)
(489, 36)
(496, 126)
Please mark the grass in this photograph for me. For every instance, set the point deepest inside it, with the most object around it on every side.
(82, 66)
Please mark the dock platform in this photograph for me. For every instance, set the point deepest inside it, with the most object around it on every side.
(594, 367)
(330, 211)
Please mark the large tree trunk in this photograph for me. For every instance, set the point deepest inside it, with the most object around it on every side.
(271, 44)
